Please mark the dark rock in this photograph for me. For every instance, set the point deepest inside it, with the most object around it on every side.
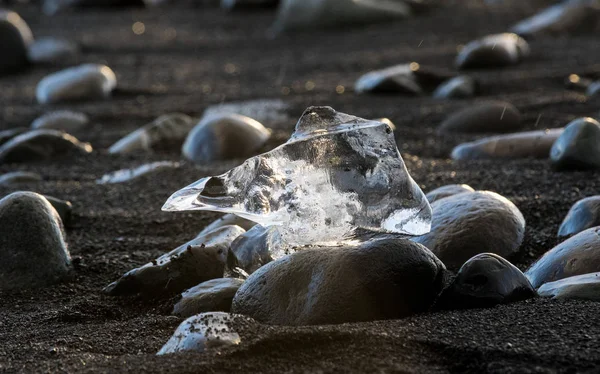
(253, 249)
(63, 208)
(581, 287)
(578, 147)
(41, 145)
(471, 223)
(15, 38)
(378, 279)
(83, 82)
(460, 87)
(448, 190)
(583, 215)
(214, 295)
(493, 51)
(52, 7)
(411, 79)
(494, 117)
(484, 281)
(33, 252)
(127, 175)
(248, 4)
(52, 51)
(7, 135)
(577, 255)
(64, 120)
(17, 177)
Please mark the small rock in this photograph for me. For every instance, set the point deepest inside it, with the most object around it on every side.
(127, 175)
(214, 295)
(471, 223)
(83, 82)
(15, 38)
(265, 111)
(593, 89)
(194, 262)
(253, 249)
(165, 132)
(493, 51)
(248, 4)
(530, 144)
(460, 87)
(583, 215)
(40, 145)
(52, 51)
(206, 331)
(387, 121)
(7, 135)
(578, 147)
(411, 79)
(51, 7)
(64, 120)
(448, 190)
(17, 177)
(582, 287)
(63, 208)
(577, 255)
(224, 137)
(226, 220)
(378, 279)
(484, 281)
(33, 252)
(495, 117)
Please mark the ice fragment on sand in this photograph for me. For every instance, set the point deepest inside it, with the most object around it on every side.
(125, 175)
(336, 174)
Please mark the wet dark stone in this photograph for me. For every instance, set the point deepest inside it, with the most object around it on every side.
(6, 135)
(578, 148)
(496, 50)
(40, 145)
(583, 215)
(214, 295)
(491, 117)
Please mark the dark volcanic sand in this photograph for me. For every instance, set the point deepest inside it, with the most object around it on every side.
(74, 328)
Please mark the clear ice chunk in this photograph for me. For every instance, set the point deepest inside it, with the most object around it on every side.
(336, 177)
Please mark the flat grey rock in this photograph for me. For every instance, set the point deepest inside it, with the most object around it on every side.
(33, 251)
(496, 50)
(17, 177)
(448, 190)
(577, 255)
(15, 38)
(52, 51)
(65, 120)
(583, 215)
(580, 287)
(460, 87)
(471, 223)
(214, 295)
(378, 279)
(79, 83)
(578, 147)
(40, 145)
(490, 117)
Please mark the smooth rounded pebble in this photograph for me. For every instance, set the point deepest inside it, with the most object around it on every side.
(33, 252)
(583, 215)
(253, 249)
(577, 255)
(471, 223)
(224, 137)
(495, 117)
(15, 38)
(578, 147)
(206, 331)
(484, 281)
(41, 145)
(127, 175)
(226, 220)
(496, 50)
(166, 132)
(582, 287)
(529, 144)
(448, 190)
(214, 295)
(51, 51)
(83, 82)
(274, 112)
(65, 120)
(17, 177)
(192, 263)
(378, 279)
(460, 87)
(6, 135)
(411, 79)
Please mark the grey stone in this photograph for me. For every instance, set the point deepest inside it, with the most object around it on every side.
(64, 120)
(577, 255)
(529, 144)
(226, 220)
(52, 50)
(17, 177)
(471, 223)
(484, 281)
(214, 295)
(40, 145)
(583, 215)
(578, 147)
(15, 38)
(493, 51)
(83, 82)
(253, 249)
(378, 279)
(460, 87)
(448, 190)
(582, 287)
(224, 137)
(494, 117)
(33, 251)
(127, 175)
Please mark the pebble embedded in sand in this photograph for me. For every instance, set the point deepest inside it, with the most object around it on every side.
(460, 87)
(486, 280)
(33, 252)
(15, 38)
(40, 145)
(224, 137)
(165, 132)
(6, 135)
(580, 287)
(471, 223)
(65, 120)
(578, 147)
(496, 50)
(411, 79)
(378, 279)
(226, 220)
(51, 51)
(577, 255)
(214, 295)
(583, 215)
(17, 177)
(253, 249)
(127, 175)
(448, 190)
(529, 144)
(490, 117)
(194, 262)
(83, 82)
